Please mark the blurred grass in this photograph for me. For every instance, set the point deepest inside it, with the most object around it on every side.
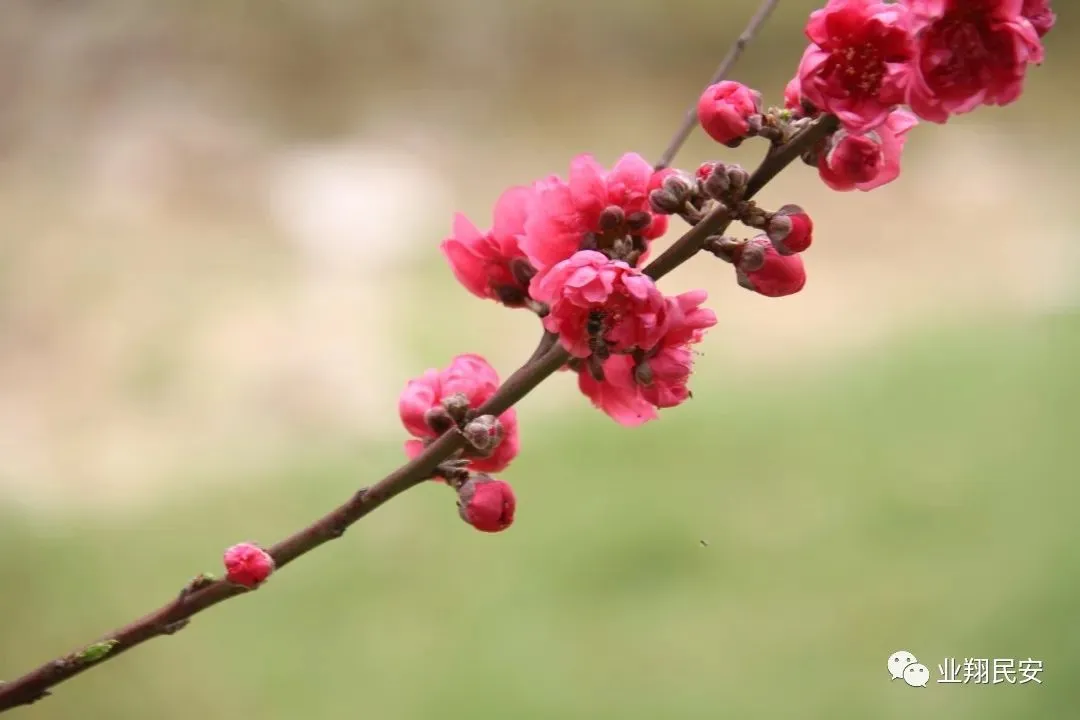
(919, 497)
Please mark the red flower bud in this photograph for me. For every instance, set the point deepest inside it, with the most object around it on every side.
(791, 230)
(248, 565)
(486, 503)
(724, 110)
(777, 276)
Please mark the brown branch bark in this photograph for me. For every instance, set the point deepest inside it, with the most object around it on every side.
(203, 593)
(733, 54)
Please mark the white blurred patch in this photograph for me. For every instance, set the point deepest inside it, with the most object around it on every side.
(357, 205)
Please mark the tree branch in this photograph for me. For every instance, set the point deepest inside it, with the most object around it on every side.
(716, 222)
(733, 54)
(204, 592)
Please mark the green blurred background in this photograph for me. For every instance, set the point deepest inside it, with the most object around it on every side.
(218, 224)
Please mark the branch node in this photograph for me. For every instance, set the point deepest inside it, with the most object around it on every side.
(195, 584)
(453, 472)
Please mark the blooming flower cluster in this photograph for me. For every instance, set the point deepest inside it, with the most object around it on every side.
(572, 250)
(880, 67)
(939, 57)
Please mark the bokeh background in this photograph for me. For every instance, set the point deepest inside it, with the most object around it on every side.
(218, 267)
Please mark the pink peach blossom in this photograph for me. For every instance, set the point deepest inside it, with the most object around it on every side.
(563, 213)
(623, 396)
(793, 95)
(671, 368)
(472, 377)
(618, 395)
(687, 320)
(671, 361)
(865, 162)
(856, 65)
(968, 53)
(630, 306)
(1040, 15)
(492, 265)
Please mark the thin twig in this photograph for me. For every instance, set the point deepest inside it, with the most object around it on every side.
(204, 593)
(722, 70)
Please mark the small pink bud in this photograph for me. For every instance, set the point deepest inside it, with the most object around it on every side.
(724, 110)
(791, 230)
(486, 503)
(484, 433)
(248, 565)
(705, 170)
(777, 276)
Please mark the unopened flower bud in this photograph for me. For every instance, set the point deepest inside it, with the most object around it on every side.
(484, 433)
(716, 184)
(457, 405)
(486, 503)
(777, 275)
(724, 110)
(247, 564)
(705, 170)
(738, 178)
(664, 202)
(679, 184)
(438, 419)
(612, 217)
(791, 230)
